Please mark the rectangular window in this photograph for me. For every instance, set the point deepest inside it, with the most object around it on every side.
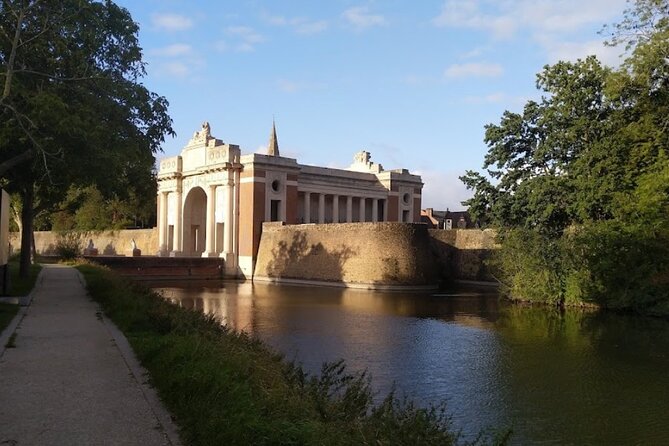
(275, 205)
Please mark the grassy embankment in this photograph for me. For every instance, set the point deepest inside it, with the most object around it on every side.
(18, 287)
(224, 387)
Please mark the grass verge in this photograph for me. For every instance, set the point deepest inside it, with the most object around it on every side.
(7, 313)
(21, 286)
(224, 387)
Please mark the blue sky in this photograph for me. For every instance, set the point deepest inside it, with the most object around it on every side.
(413, 82)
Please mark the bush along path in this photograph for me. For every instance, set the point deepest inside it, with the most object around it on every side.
(224, 387)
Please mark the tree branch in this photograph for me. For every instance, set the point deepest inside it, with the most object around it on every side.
(12, 56)
(56, 78)
(18, 159)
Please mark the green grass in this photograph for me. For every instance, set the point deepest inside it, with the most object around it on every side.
(224, 387)
(7, 313)
(21, 286)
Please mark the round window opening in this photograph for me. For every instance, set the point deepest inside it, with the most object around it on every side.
(405, 198)
(275, 185)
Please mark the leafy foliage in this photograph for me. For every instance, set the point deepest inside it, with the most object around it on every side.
(86, 209)
(69, 245)
(73, 110)
(579, 181)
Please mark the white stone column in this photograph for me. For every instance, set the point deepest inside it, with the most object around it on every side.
(385, 209)
(375, 210)
(307, 207)
(362, 209)
(162, 223)
(235, 233)
(210, 234)
(178, 219)
(335, 208)
(228, 227)
(321, 208)
(349, 209)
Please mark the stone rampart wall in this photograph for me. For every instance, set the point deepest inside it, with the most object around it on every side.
(370, 255)
(461, 253)
(107, 242)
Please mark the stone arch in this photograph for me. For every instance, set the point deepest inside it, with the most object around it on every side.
(195, 222)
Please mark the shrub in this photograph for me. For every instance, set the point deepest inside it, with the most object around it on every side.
(528, 266)
(618, 266)
(69, 245)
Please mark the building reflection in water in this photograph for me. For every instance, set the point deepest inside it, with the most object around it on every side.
(557, 377)
(419, 343)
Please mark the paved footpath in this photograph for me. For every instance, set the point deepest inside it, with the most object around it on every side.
(72, 378)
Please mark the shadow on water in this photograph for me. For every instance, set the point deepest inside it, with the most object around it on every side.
(559, 377)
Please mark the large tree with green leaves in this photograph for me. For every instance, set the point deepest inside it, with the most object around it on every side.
(73, 110)
(582, 174)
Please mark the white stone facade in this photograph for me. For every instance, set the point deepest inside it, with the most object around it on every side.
(212, 201)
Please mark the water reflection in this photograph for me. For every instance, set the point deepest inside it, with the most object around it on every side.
(556, 377)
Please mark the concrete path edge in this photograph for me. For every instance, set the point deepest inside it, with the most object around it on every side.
(140, 374)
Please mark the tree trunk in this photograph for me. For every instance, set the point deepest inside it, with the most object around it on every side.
(33, 247)
(26, 231)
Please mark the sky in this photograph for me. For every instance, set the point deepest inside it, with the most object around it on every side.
(412, 82)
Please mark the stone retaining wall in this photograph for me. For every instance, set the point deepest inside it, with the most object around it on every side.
(368, 255)
(107, 242)
(461, 253)
(165, 268)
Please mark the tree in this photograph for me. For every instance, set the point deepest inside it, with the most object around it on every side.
(73, 108)
(578, 182)
(533, 156)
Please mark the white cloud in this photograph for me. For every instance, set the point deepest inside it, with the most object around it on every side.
(361, 18)
(564, 50)
(171, 22)
(221, 46)
(300, 25)
(285, 152)
(314, 27)
(475, 69)
(475, 52)
(245, 33)
(179, 60)
(288, 86)
(175, 68)
(176, 50)
(504, 19)
(246, 39)
(443, 190)
(467, 14)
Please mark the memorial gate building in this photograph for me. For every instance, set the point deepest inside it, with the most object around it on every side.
(212, 200)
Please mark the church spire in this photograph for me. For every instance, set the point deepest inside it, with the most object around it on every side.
(273, 146)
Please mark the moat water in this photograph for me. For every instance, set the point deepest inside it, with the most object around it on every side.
(553, 377)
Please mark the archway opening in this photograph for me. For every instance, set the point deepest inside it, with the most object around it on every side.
(195, 222)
